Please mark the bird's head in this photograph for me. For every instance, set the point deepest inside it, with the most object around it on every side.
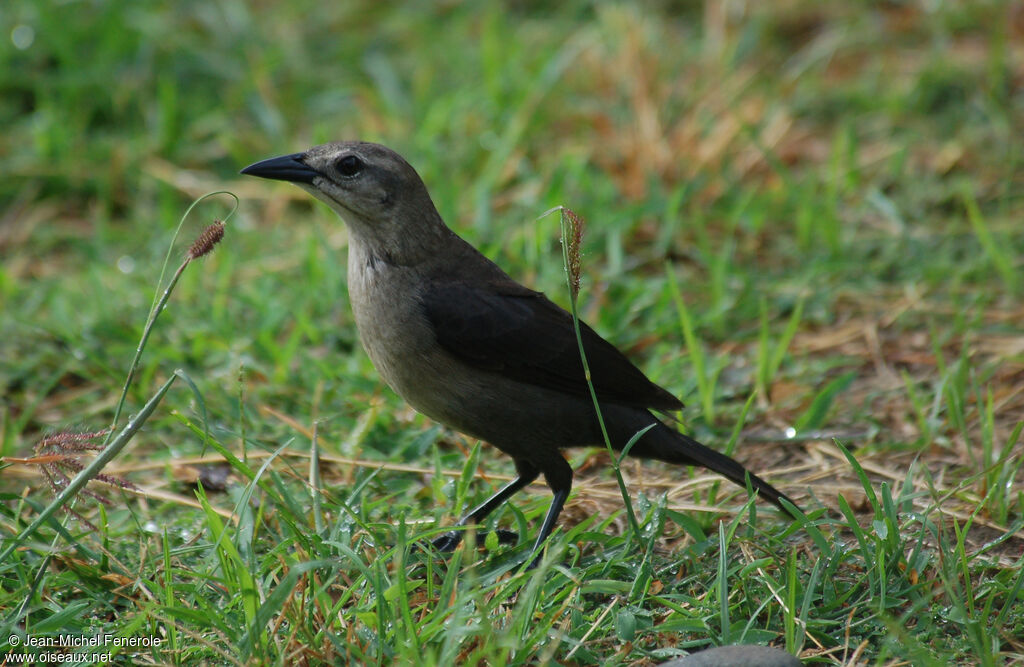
(378, 194)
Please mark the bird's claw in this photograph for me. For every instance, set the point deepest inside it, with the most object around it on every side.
(450, 540)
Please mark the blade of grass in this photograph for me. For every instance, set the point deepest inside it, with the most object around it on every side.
(705, 384)
(995, 250)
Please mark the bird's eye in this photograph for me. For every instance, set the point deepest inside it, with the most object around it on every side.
(349, 165)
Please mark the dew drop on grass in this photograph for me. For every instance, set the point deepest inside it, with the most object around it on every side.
(22, 36)
(125, 264)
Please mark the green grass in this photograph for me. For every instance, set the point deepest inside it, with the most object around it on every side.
(803, 219)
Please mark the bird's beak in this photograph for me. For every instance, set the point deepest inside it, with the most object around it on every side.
(285, 168)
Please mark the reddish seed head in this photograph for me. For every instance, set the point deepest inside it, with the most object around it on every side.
(210, 237)
(575, 240)
(58, 454)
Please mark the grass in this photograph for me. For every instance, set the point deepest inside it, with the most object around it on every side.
(803, 219)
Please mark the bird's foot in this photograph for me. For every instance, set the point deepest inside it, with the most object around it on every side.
(450, 540)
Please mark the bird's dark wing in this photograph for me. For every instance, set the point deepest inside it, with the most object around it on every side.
(509, 329)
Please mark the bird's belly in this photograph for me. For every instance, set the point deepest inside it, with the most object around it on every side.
(514, 417)
(470, 400)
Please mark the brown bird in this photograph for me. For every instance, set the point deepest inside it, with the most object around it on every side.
(470, 347)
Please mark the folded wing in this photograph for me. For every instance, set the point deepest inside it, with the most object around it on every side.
(506, 328)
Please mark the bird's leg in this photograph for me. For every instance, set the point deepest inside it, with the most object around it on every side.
(526, 474)
(558, 475)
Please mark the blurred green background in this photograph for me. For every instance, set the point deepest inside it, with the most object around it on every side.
(835, 188)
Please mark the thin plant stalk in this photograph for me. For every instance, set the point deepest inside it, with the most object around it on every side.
(572, 277)
(160, 299)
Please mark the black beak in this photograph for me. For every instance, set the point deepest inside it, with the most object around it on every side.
(285, 168)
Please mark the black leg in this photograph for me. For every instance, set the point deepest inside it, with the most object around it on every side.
(527, 473)
(558, 475)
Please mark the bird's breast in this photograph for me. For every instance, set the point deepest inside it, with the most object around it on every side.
(392, 326)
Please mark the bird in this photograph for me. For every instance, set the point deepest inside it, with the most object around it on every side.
(468, 346)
